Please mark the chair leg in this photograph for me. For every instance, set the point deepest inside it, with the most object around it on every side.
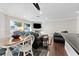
(32, 52)
(8, 52)
(19, 54)
(24, 53)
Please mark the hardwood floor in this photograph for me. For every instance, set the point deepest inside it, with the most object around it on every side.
(40, 52)
(54, 49)
(57, 49)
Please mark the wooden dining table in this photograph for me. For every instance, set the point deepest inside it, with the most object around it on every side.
(7, 42)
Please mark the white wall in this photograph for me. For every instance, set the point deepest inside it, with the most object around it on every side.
(78, 24)
(3, 24)
(60, 25)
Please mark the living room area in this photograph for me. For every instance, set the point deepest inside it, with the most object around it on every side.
(39, 29)
(14, 29)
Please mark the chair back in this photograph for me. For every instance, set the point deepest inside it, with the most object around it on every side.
(29, 40)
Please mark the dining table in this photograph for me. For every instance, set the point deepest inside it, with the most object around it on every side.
(8, 42)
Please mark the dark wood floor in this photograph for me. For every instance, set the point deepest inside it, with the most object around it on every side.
(57, 49)
(54, 49)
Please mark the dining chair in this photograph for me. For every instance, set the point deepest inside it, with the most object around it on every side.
(27, 45)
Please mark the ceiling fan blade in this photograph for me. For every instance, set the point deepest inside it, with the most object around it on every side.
(36, 5)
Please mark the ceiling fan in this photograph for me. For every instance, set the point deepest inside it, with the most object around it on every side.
(37, 6)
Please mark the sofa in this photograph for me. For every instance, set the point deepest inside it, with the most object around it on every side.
(58, 38)
(37, 41)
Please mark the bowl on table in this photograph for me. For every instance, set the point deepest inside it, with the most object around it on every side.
(16, 37)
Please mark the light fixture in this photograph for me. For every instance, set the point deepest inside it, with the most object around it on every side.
(37, 6)
(77, 11)
(40, 12)
(45, 18)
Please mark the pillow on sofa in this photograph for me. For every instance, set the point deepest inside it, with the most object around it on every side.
(21, 33)
(57, 35)
(17, 33)
(35, 34)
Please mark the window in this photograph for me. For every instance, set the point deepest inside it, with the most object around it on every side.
(18, 26)
(26, 27)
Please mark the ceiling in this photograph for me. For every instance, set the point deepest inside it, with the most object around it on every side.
(60, 10)
(21, 10)
(49, 11)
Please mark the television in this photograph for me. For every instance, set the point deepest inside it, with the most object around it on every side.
(37, 25)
